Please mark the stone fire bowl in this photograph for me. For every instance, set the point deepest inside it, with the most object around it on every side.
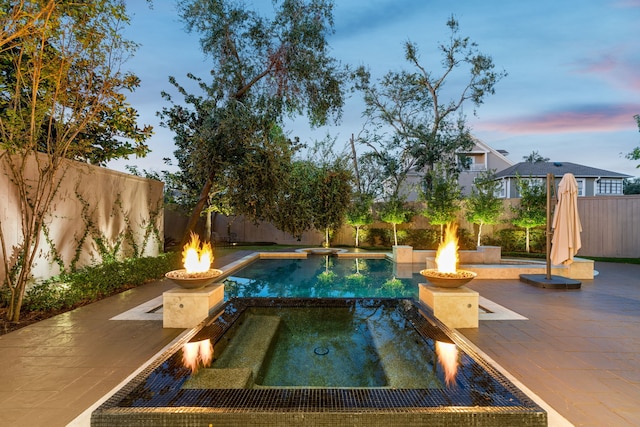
(448, 280)
(194, 280)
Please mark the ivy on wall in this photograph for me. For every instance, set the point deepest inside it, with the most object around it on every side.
(129, 242)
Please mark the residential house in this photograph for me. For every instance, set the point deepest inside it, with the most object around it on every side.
(591, 181)
(479, 159)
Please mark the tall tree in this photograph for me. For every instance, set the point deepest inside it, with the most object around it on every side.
(419, 128)
(395, 212)
(61, 82)
(484, 206)
(442, 200)
(532, 210)
(360, 213)
(264, 69)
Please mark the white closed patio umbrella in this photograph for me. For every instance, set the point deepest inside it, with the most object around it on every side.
(566, 235)
(566, 222)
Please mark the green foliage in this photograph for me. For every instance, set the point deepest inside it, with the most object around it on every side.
(535, 157)
(379, 237)
(442, 197)
(422, 238)
(360, 214)
(264, 69)
(635, 153)
(532, 210)
(632, 186)
(70, 55)
(331, 198)
(512, 240)
(483, 206)
(395, 212)
(93, 283)
(429, 129)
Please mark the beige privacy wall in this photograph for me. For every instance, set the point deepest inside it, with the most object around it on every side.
(96, 214)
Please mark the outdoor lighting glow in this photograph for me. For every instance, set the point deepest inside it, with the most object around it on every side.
(197, 258)
(197, 353)
(447, 254)
(448, 357)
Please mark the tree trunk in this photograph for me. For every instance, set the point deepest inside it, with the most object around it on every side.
(355, 165)
(527, 240)
(357, 234)
(479, 232)
(197, 210)
(395, 235)
(207, 228)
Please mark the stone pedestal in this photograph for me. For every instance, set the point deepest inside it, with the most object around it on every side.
(455, 307)
(186, 308)
(403, 254)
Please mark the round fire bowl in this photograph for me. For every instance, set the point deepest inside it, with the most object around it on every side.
(193, 280)
(448, 280)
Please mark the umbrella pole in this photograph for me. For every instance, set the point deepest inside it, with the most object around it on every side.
(550, 178)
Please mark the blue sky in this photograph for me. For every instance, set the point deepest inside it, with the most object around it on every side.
(572, 88)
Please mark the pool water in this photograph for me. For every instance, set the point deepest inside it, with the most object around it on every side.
(363, 345)
(321, 277)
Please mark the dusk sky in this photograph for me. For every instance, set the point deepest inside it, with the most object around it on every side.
(572, 89)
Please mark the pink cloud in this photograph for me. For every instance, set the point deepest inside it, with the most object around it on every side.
(611, 68)
(618, 67)
(604, 118)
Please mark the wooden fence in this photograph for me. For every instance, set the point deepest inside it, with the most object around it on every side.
(610, 228)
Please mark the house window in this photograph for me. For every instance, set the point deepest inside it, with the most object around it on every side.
(531, 182)
(609, 186)
(502, 191)
(581, 187)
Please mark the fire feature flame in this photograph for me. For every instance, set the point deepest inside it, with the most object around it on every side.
(448, 357)
(447, 254)
(195, 257)
(197, 353)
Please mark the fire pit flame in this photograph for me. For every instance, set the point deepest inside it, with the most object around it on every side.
(447, 254)
(447, 275)
(197, 271)
(195, 257)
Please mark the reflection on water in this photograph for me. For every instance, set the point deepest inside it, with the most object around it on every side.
(321, 277)
(448, 357)
(197, 353)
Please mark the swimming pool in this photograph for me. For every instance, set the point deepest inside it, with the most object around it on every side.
(322, 277)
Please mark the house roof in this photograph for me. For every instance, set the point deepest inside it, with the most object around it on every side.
(541, 169)
(502, 154)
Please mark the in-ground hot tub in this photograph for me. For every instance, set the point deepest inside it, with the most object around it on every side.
(298, 361)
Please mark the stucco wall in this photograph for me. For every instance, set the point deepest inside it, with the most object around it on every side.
(96, 212)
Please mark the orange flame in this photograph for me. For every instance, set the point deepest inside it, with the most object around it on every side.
(197, 258)
(448, 357)
(447, 254)
(196, 353)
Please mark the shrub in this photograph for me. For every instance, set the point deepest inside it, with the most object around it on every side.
(512, 240)
(92, 283)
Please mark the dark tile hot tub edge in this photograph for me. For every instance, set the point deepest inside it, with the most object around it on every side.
(192, 417)
(318, 406)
